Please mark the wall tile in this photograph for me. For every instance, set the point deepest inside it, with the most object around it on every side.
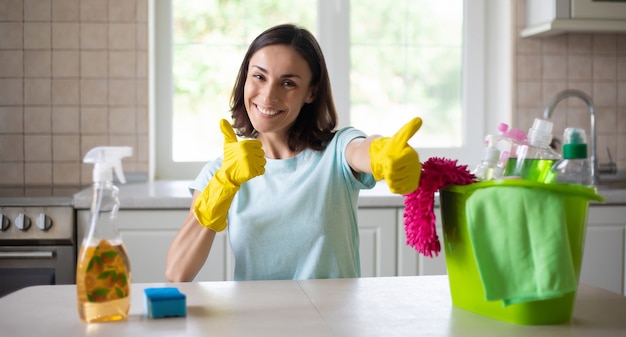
(65, 147)
(579, 44)
(621, 67)
(122, 64)
(65, 10)
(38, 173)
(122, 92)
(37, 119)
(604, 67)
(12, 91)
(37, 63)
(11, 63)
(579, 67)
(529, 67)
(37, 91)
(65, 120)
(66, 173)
(11, 119)
(12, 147)
(13, 173)
(93, 10)
(93, 36)
(65, 63)
(554, 67)
(94, 91)
(93, 64)
(122, 36)
(11, 35)
(122, 10)
(122, 120)
(37, 35)
(604, 44)
(65, 91)
(38, 148)
(94, 120)
(65, 35)
(605, 94)
(37, 10)
(12, 10)
(74, 75)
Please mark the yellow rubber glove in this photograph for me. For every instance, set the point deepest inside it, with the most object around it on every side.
(242, 161)
(395, 161)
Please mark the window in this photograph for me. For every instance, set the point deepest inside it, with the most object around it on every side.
(388, 61)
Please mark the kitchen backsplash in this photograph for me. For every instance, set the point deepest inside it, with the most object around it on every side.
(74, 75)
(594, 63)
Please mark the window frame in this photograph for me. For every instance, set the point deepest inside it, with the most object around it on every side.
(486, 94)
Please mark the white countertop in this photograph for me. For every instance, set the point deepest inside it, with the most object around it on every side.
(387, 306)
(174, 194)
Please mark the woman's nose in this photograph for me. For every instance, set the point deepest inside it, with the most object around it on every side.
(270, 93)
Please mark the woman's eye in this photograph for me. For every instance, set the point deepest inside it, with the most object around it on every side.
(257, 76)
(289, 84)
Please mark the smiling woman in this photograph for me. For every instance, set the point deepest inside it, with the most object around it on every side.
(387, 61)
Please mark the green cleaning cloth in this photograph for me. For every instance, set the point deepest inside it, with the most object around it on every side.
(520, 243)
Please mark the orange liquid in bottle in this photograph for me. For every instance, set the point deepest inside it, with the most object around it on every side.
(103, 282)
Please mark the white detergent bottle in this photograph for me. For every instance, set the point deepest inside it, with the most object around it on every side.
(103, 269)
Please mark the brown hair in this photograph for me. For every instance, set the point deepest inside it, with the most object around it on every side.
(317, 120)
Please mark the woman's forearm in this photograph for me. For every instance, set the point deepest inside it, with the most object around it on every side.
(189, 249)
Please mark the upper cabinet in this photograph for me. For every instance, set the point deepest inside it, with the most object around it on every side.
(551, 17)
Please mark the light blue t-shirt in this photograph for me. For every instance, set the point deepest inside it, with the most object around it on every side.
(299, 219)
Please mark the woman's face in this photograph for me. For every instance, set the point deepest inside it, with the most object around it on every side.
(276, 88)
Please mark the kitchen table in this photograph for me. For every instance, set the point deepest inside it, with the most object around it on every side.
(386, 306)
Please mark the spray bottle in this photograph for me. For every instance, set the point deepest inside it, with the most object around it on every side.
(491, 165)
(103, 270)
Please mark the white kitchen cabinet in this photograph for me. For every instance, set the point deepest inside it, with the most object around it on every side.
(604, 256)
(147, 235)
(551, 17)
(410, 262)
(377, 233)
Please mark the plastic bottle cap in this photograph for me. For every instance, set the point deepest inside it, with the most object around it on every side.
(575, 143)
(540, 134)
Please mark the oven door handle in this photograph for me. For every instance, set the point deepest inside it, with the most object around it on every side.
(27, 255)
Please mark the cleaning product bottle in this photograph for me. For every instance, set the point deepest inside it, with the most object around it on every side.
(489, 167)
(575, 167)
(515, 137)
(103, 269)
(534, 159)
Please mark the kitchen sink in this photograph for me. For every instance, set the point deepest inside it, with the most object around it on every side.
(612, 181)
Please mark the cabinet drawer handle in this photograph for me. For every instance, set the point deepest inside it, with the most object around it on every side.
(26, 255)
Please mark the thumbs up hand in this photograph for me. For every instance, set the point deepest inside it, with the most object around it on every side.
(395, 161)
(243, 160)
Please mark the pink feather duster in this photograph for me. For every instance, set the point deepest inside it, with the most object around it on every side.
(419, 215)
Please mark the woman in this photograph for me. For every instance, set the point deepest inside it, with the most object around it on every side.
(289, 191)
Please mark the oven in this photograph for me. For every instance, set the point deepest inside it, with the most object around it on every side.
(37, 242)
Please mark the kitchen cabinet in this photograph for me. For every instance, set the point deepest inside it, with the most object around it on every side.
(551, 17)
(147, 235)
(410, 262)
(604, 256)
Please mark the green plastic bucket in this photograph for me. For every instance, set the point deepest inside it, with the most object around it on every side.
(466, 286)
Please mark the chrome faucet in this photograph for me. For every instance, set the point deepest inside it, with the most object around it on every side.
(592, 112)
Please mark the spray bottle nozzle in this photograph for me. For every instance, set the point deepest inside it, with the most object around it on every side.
(107, 159)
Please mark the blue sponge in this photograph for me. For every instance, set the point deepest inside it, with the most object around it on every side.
(165, 302)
